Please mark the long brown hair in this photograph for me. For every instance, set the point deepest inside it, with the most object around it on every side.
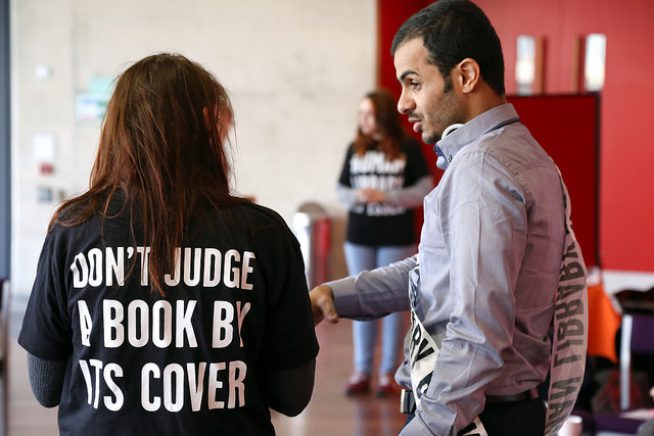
(161, 150)
(388, 122)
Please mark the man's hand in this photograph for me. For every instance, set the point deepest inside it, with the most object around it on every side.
(322, 305)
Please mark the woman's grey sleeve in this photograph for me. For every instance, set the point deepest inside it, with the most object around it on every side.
(47, 379)
(346, 196)
(411, 196)
(289, 392)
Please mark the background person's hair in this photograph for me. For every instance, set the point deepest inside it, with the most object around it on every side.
(388, 123)
(453, 30)
(160, 152)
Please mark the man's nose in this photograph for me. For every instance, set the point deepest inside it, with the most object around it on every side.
(405, 104)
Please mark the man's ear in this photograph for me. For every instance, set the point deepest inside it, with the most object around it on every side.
(466, 75)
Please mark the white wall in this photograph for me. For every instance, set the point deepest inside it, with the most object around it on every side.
(295, 70)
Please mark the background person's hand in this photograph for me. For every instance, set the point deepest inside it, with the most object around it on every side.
(370, 195)
(322, 305)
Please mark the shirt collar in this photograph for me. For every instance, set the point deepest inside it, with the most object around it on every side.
(467, 133)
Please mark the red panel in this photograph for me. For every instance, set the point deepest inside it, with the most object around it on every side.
(391, 15)
(626, 212)
(566, 126)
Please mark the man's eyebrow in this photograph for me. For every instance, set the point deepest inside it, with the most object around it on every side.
(406, 73)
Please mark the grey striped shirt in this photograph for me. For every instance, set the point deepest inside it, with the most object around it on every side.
(488, 262)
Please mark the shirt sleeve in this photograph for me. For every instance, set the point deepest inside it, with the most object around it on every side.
(347, 196)
(46, 379)
(411, 196)
(289, 392)
(290, 339)
(418, 180)
(46, 332)
(375, 293)
(484, 221)
(344, 178)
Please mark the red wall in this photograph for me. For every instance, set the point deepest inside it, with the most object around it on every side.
(391, 14)
(575, 153)
(626, 220)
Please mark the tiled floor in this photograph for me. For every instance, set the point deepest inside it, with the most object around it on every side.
(329, 413)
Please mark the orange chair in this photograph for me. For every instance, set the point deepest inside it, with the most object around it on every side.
(603, 324)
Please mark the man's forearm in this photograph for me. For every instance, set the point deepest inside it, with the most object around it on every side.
(375, 293)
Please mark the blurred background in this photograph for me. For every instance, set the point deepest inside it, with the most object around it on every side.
(296, 70)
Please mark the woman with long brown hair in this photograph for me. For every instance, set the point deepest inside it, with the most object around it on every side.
(384, 178)
(163, 304)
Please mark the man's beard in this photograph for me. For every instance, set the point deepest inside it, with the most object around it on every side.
(451, 115)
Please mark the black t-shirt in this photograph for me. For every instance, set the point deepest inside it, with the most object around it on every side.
(382, 224)
(189, 363)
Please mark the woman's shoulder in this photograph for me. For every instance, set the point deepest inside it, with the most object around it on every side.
(255, 217)
(412, 149)
(89, 208)
(71, 218)
(261, 214)
(409, 142)
(265, 225)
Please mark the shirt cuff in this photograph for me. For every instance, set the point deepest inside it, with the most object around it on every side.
(345, 297)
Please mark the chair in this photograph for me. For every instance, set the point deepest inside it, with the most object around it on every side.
(636, 301)
(4, 322)
(4, 355)
(636, 338)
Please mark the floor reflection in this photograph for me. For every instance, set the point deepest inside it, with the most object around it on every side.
(330, 411)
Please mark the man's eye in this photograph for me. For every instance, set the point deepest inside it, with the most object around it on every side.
(414, 85)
